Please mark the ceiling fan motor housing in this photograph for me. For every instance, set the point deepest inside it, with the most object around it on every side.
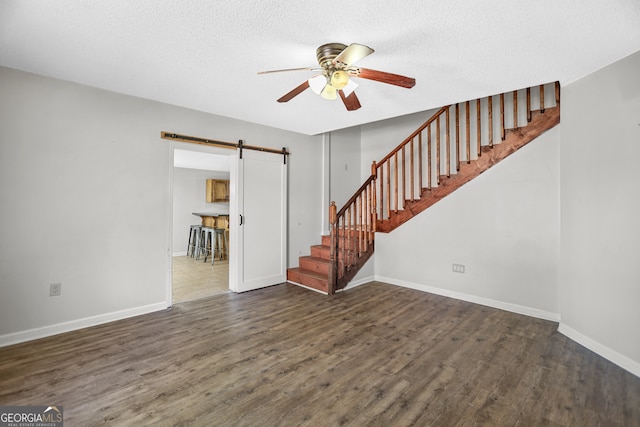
(327, 52)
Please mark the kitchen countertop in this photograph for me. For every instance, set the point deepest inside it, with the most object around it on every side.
(212, 214)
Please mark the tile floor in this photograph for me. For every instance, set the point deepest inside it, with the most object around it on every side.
(198, 279)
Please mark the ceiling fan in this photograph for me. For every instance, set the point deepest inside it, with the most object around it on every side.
(336, 64)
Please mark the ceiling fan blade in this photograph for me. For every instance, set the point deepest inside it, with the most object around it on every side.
(295, 92)
(351, 102)
(291, 69)
(352, 53)
(384, 77)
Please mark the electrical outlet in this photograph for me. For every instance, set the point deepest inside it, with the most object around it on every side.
(458, 268)
(55, 289)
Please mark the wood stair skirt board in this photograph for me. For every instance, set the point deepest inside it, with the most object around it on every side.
(354, 239)
(514, 140)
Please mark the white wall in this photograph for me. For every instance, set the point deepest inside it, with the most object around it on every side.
(600, 255)
(345, 165)
(84, 185)
(379, 138)
(503, 227)
(189, 196)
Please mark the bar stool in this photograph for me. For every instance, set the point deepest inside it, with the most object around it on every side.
(194, 240)
(206, 243)
(221, 243)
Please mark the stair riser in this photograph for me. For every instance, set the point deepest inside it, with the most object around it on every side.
(326, 240)
(324, 252)
(311, 282)
(314, 265)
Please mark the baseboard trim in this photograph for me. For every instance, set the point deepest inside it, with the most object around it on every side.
(359, 282)
(179, 254)
(602, 350)
(513, 308)
(59, 328)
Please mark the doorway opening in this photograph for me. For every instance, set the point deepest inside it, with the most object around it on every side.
(195, 274)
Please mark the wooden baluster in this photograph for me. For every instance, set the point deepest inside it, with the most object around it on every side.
(447, 155)
(374, 206)
(370, 207)
(344, 240)
(490, 115)
(350, 244)
(346, 224)
(457, 137)
(395, 182)
(438, 151)
(502, 133)
(542, 98)
(479, 128)
(365, 217)
(528, 104)
(363, 220)
(354, 232)
(420, 164)
(388, 189)
(404, 178)
(369, 218)
(412, 166)
(468, 136)
(515, 108)
(341, 247)
(360, 223)
(333, 266)
(429, 157)
(373, 209)
(381, 186)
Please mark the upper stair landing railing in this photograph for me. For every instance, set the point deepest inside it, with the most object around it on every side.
(454, 134)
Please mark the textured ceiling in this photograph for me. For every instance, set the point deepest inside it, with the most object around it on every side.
(205, 55)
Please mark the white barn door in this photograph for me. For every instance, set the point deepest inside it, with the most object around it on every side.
(260, 222)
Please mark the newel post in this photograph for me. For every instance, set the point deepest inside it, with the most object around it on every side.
(333, 266)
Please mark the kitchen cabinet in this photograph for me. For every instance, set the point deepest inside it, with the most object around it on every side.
(217, 190)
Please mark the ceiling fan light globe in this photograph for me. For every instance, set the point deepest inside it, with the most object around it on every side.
(317, 83)
(339, 79)
(329, 92)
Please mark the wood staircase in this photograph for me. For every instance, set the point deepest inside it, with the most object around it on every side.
(458, 143)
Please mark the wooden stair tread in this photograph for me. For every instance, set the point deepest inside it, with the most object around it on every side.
(315, 259)
(309, 273)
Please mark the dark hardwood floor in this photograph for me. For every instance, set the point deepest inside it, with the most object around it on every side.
(285, 356)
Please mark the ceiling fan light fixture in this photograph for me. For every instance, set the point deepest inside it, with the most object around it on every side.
(339, 79)
(329, 92)
(317, 83)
